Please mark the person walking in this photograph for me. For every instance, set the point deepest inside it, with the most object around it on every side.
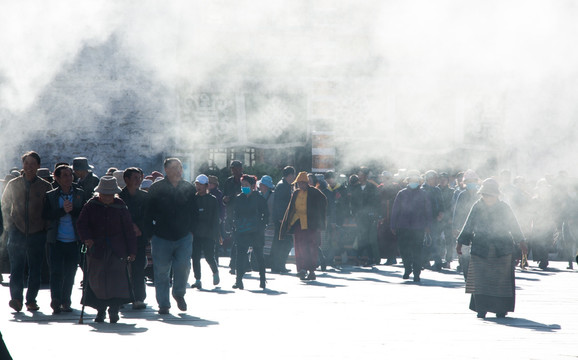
(205, 230)
(22, 205)
(411, 217)
(169, 218)
(105, 227)
(306, 217)
(492, 231)
(250, 218)
(62, 207)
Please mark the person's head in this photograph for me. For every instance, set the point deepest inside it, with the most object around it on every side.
(312, 179)
(289, 174)
(431, 178)
(132, 178)
(63, 176)
(490, 191)
(330, 178)
(202, 184)
(444, 179)
(353, 180)
(236, 168)
(302, 181)
(107, 188)
(173, 169)
(266, 184)
(471, 180)
(386, 177)
(30, 164)
(505, 177)
(80, 167)
(110, 171)
(363, 174)
(248, 184)
(413, 179)
(213, 182)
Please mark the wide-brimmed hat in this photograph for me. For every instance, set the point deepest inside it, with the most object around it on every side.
(107, 186)
(302, 176)
(490, 187)
(267, 181)
(80, 163)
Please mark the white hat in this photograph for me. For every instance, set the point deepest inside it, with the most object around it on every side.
(107, 186)
(202, 179)
(119, 175)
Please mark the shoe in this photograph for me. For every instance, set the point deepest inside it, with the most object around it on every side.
(311, 276)
(285, 271)
(113, 315)
(100, 316)
(181, 303)
(56, 308)
(139, 305)
(406, 274)
(416, 278)
(163, 310)
(390, 262)
(15, 304)
(238, 285)
(65, 308)
(501, 315)
(33, 306)
(262, 282)
(302, 275)
(446, 265)
(232, 271)
(216, 279)
(197, 284)
(481, 315)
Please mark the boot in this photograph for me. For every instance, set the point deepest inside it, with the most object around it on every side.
(262, 281)
(113, 314)
(100, 315)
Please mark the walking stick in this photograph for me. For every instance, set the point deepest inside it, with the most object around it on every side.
(83, 252)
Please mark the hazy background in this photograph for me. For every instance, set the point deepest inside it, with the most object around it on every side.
(444, 84)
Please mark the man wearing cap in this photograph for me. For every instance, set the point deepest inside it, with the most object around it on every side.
(86, 180)
(136, 200)
(22, 203)
(216, 192)
(169, 218)
(281, 246)
(306, 217)
(205, 230)
(231, 189)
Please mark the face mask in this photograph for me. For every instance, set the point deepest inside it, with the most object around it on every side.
(413, 185)
(246, 190)
(472, 186)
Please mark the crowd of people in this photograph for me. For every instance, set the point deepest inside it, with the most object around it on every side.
(104, 226)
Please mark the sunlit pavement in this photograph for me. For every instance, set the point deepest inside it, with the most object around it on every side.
(353, 313)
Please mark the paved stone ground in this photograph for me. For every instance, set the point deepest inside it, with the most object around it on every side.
(354, 313)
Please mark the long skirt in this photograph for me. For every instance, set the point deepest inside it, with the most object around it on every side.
(106, 282)
(306, 248)
(491, 281)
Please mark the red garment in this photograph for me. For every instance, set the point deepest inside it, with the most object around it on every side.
(306, 248)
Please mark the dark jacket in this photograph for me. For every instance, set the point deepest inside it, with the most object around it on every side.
(206, 218)
(411, 210)
(88, 184)
(250, 213)
(365, 202)
(281, 200)
(108, 226)
(52, 211)
(491, 225)
(316, 211)
(22, 204)
(136, 207)
(171, 209)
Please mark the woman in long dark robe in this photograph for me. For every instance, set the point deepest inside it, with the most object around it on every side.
(105, 227)
(492, 231)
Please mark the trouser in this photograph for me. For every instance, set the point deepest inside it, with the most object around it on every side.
(436, 249)
(167, 254)
(410, 246)
(306, 248)
(138, 273)
(280, 249)
(367, 238)
(22, 248)
(207, 246)
(244, 241)
(63, 266)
